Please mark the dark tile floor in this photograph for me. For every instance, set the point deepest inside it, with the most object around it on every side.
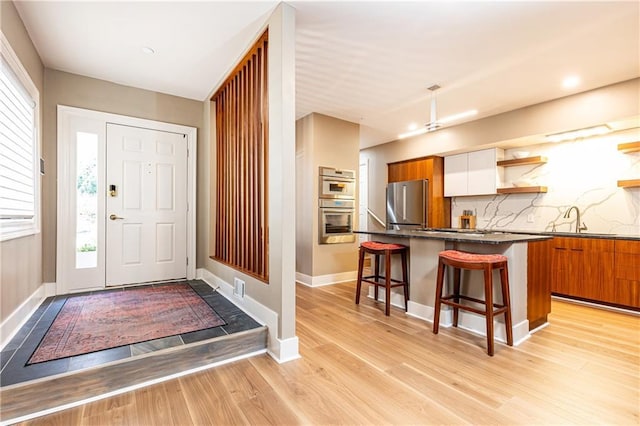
(16, 353)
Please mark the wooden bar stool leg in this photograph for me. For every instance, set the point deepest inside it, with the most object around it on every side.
(488, 297)
(376, 276)
(439, 285)
(360, 268)
(456, 291)
(506, 301)
(387, 283)
(405, 279)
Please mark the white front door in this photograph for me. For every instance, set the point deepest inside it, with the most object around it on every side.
(146, 207)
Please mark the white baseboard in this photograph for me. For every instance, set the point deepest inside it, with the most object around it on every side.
(397, 299)
(426, 313)
(17, 318)
(470, 322)
(280, 350)
(287, 350)
(321, 280)
(50, 289)
(477, 324)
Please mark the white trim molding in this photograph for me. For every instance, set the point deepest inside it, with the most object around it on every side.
(329, 279)
(288, 350)
(280, 350)
(22, 227)
(71, 116)
(12, 324)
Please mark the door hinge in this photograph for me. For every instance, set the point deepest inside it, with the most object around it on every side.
(187, 261)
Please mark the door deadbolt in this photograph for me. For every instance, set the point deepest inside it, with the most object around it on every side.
(113, 191)
(114, 217)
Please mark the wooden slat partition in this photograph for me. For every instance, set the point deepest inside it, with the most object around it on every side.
(240, 237)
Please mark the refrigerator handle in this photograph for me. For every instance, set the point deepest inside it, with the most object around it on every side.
(425, 203)
(404, 202)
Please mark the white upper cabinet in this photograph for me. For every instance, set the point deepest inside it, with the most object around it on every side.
(456, 175)
(472, 173)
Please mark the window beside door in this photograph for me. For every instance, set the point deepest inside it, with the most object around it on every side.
(19, 155)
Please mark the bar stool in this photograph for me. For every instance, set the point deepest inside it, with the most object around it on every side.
(487, 263)
(383, 249)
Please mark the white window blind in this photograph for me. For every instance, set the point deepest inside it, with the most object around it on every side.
(18, 152)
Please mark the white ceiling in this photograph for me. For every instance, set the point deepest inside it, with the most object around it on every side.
(366, 62)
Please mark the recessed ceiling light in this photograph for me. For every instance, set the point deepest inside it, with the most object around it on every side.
(148, 50)
(571, 81)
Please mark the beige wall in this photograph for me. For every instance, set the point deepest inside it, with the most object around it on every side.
(62, 88)
(279, 294)
(304, 195)
(616, 102)
(20, 258)
(322, 141)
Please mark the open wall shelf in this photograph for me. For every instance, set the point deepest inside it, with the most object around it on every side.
(629, 183)
(539, 159)
(629, 147)
(523, 190)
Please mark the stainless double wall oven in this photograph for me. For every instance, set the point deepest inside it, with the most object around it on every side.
(336, 205)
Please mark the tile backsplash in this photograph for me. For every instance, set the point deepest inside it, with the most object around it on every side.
(583, 173)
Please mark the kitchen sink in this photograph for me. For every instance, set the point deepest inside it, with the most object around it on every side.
(580, 234)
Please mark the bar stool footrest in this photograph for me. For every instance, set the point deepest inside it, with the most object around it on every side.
(447, 301)
(381, 281)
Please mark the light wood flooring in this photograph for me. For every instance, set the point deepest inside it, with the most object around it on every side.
(360, 367)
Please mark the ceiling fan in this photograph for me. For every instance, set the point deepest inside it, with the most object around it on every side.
(434, 123)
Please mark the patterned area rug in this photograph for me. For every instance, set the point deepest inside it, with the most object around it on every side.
(105, 320)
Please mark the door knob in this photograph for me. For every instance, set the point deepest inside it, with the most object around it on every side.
(114, 217)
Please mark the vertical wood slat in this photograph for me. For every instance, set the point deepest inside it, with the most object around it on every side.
(241, 231)
(264, 139)
(245, 208)
(256, 170)
(251, 237)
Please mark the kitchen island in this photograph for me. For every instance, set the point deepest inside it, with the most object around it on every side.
(424, 246)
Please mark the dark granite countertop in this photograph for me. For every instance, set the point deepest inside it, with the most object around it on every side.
(493, 236)
(461, 235)
(581, 235)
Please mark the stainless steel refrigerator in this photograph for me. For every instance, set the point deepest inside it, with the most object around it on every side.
(407, 204)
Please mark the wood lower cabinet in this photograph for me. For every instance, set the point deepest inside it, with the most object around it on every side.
(626, 290)
(582, 267)
(539, 282)
(431, 168)
(593, 269)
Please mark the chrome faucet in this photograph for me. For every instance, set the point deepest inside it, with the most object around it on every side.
(578, 227)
